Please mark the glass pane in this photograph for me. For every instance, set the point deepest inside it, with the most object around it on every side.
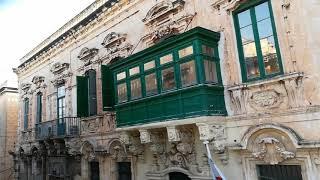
(121, 75)
(210, 70)
(265, 28)
(165, 59)
(168, 81)
(61, 91)
(134, 71)
(251, 61)
(262, 11)
(151, 84)
(122, 92)
(188, 73)
(185, 52)
(207, 50)
(269, 53)
(247, 35)
(135, 88)
(149, 65)
(244, 18)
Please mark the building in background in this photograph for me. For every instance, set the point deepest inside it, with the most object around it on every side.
(8, 127)
(130, 89)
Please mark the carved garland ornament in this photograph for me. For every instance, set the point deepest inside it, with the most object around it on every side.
(265, 99)
(272, 151)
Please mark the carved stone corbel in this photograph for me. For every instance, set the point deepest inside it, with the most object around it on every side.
(239, 97)
(294, 90)
(173, 134)
(227, 5)
(145, 136)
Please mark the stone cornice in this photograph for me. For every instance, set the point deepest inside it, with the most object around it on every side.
(71, 29)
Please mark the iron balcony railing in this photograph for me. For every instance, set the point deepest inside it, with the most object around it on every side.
(58, 128)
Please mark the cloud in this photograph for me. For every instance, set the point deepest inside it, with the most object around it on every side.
(26, 23)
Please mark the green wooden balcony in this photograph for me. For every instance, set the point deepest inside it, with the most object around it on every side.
(177, 78)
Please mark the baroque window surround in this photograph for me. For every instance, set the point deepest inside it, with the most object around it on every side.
(249, 6)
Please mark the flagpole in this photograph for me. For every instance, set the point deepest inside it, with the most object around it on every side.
(206, 143)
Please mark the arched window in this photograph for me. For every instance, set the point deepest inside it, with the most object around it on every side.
(39, 108)
(26, 113)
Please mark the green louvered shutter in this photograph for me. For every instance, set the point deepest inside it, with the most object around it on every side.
(82, 96)
(107, 88)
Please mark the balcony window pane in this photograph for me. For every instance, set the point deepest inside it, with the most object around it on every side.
(121, 76)
(165, 59)
(207, 50)
(122, 92)
(262, 11)
(251, 60)
(61, 91)
(135, 88)
(188, 73)
(185, 52)
(244, 18)
(270, 59)
(149, 65)
(151, 84)
(168, 81)
(134, 71)
(210, 70)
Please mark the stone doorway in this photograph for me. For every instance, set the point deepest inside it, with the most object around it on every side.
(279, 172)
(178, 176)
(94, 171)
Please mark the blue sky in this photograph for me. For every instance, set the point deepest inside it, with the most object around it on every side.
(26, 23)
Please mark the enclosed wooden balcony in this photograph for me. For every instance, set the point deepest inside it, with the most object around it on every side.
(177, 78)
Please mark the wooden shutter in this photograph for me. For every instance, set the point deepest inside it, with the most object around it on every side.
(39, 108)
(82, 96)
(26, 113)
(107, 88)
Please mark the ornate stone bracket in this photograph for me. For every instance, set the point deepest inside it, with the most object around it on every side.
(61, 79)
(58, 68)
(272, 151)
(86, 54)
(227, 5)
(145, 136)
(173, 134)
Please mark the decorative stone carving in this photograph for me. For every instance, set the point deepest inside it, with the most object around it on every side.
(239, 98)
(25, 87)
(125, 138)
(272, 151)
(116, 46)
(145, 136)
(117, 151)
(38, 80)
(173, 134)
(86, 54)
(61, 79)
(58, 68)
(210, 132)
(267, 99)
(73, 146)
(294, 89)
(227, 5)
(164, 19)
(88, 152)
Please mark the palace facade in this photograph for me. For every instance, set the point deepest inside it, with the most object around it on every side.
(131, 89)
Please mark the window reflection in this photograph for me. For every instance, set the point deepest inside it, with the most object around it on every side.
(185, 52)
(151, 84)
(135, 88)
(210, 70)
(269, 53)
(121, 76)
(122, 92)
(244, 18)
(149, 65)
(207, 50)
(134, 71)
(168, 81)
(262, 11)
(165, 59)
(251, 60)
(188, 73)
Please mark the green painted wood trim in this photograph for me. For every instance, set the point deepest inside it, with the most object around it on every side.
(82, 96)
(107, 88)
(250, 5)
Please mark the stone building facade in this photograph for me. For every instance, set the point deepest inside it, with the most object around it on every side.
(130, 89)
(8, 127)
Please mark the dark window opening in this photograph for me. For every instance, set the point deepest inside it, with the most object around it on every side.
(39, 108)
(124, 171)
(279, 172)
(94, 171)
(92, 92)
(178, 176)
(26, 113)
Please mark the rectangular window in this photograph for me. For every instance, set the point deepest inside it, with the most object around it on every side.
(149, 65)
(39, 108)
(135, 88)
(210, 70)
(185, 52)
(121, 76)
(122, 92)
(259, 51)
(61, 101)
(168, 81)
(134, 71)
(188, 73)
(124, 171)
(269, 172)
(26, 114)
(151, 84)
(207, 50)
(166, 59)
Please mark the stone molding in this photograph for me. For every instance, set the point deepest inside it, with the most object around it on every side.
(227, 5)
(58, 68)
(164, 19)
(173, 134)
(145, 136)
(97, 124)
